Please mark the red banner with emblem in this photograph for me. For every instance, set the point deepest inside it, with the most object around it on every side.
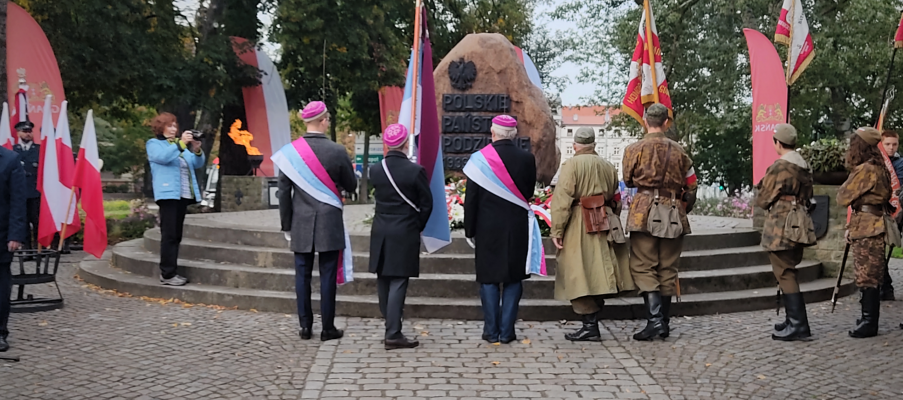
(30, 58)
(647, 82)
(769, 99)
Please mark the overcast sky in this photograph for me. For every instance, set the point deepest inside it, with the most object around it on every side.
(570, 96)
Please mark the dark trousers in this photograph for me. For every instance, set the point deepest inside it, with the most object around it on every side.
(6, 288)
(304, 269)
(500, 309)
(32, 215)
(172, 217)
(392, 292)
(887, 283)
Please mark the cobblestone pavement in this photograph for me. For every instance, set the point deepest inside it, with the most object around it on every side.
(104, 346)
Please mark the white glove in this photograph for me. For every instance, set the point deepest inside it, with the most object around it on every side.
(471, 243)
(288, 236)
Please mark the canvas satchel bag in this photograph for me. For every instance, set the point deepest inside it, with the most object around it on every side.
(798, 226)
(595, 219)
(892, 231)
(616, 233)
(663, 220)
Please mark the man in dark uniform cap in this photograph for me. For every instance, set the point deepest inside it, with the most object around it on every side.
(30, 154)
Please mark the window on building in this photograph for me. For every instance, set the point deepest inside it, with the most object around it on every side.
(616, 151)
(570, 132)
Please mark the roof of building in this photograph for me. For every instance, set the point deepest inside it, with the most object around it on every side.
(590, 115)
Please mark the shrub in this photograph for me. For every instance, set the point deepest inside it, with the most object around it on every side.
(825, 155)
(738, 206)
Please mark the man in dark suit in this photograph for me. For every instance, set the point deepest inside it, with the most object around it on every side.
(315, 227)
(12, 229)
(403, 206)
(500, 235)
(30, 154)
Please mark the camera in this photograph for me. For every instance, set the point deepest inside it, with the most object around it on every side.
(196, 134)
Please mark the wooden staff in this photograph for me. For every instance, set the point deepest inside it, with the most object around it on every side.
(66, 220)
(650, 45)
(415, 77)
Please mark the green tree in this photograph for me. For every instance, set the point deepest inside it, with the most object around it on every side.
(707, 66)
(332, 48)
(451, 20)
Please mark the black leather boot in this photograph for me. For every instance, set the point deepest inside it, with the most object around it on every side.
(4, 345)
(666, 317)
(654, 324)
(798, 323)
(867, 326)
(589, 332)
(331, 334)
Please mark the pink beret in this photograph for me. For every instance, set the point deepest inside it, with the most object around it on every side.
(505, 120)
(395, 135)
(313, 110)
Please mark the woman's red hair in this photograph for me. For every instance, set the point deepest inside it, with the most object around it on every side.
(162, 121)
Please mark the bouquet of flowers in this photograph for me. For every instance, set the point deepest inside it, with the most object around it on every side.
(542, 199)
(454, 199)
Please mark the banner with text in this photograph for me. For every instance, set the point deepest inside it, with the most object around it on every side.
(769, 99)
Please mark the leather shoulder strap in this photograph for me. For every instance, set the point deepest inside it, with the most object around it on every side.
(397, 190)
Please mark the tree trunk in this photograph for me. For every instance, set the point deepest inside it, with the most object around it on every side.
(365, 172)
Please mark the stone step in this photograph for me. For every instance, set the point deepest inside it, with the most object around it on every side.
(101, 273)
(131, 257)
(439, 263)
(203, 228)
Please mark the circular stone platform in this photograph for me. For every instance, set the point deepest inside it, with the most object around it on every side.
(241, 259)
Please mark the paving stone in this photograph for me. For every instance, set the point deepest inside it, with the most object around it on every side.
(103, 346)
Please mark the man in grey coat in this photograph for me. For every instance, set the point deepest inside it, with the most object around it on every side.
(403, 207)
(315, 227)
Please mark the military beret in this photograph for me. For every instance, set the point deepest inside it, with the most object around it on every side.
(785, 133)
(24, 126)
(657, 110)
(869, 134)
(585, 135)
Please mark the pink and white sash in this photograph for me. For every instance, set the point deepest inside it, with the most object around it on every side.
(299, 163)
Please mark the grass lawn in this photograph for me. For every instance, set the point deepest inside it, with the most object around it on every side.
(116, 209)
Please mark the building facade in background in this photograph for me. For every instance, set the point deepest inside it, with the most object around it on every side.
(610, 142)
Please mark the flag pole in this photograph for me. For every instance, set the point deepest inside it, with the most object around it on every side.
(890, 69)
(66, 220)
(650, 46)
(415, 78)
(790, 53)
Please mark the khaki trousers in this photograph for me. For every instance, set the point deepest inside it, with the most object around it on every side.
(654, 262)
(784, 263)
(587, 304)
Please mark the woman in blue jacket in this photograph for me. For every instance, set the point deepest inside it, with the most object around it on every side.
(173, 161)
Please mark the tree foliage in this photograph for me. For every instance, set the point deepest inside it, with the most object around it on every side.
(707, 66)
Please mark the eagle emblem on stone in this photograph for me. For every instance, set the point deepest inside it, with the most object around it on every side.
(462, 74)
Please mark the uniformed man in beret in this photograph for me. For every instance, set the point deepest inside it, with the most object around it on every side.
(787, 184)
(30, 154)
(663, 174)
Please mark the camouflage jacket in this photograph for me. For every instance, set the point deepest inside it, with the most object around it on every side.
(868, 184)
(647, 164)
(788, 176)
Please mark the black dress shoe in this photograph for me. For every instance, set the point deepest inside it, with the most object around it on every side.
(506, 341)
(403, 343)
(306, 334)
(4, 346)
(489, 339)
(331, 334)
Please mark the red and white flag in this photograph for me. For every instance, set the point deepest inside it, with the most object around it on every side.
(793, 31)
(648, 53)
(898, 38)
(66, 163)
(6, 135)
(87, 179)
(54, 195)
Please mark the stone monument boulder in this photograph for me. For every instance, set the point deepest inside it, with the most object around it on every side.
(495, 70)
